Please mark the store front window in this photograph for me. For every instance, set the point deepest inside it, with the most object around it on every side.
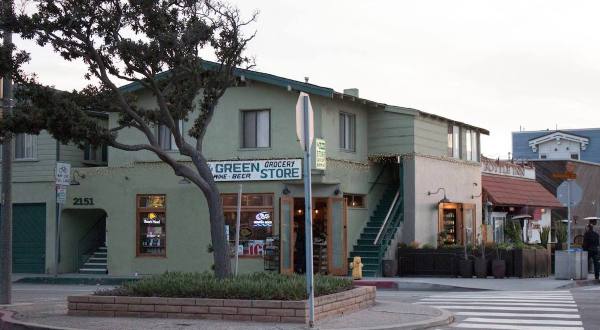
(151, 225)
(256, 222)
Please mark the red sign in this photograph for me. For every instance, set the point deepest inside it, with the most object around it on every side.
(566, 175)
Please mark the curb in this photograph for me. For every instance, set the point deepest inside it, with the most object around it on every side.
(76, 280)
(444, 319)
(415, 286)
(7, 322)
(579, 283)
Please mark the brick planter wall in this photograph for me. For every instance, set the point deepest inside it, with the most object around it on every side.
(222, 309)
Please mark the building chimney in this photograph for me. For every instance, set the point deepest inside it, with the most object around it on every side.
(351, 91)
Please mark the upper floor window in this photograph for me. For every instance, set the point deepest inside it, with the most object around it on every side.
(575, 156)
(25, 145)
(453, 141)
(471, 146)
(347, 131)
(95, 154)
(256, 129)
(166, 140)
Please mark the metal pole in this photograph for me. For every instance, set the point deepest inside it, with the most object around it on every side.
(237, 229)
(57, 236)
(569, 215)
(6, 195)
(308, 217)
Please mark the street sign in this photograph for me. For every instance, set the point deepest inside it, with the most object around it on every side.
(63, 174)
(565, 176)
(320, 154)
(61, 194)
(300, 121)
(562, 193)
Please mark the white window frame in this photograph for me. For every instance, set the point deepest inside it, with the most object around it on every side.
(456, 142)
(347, 131)
(172, 144)
(261, 127)
(29, 139)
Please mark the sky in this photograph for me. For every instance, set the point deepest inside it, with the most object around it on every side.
(501, 65)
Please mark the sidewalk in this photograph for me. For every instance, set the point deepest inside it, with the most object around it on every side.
(384, 315)
(472, 284)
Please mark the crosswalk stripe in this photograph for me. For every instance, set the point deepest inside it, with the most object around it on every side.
(528, 315)
(498, 303)
(511, 327)
(508, 308)
(506, 296)
(519, 321)
(570, 301)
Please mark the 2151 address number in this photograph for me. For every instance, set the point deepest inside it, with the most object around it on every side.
(83, 201)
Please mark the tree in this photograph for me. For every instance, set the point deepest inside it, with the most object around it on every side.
(154, 45)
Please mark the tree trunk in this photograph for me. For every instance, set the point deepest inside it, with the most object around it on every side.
(217, 220)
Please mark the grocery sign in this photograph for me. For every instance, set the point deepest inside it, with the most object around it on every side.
(256, 170)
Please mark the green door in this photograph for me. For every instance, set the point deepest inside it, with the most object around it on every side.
(29, 238)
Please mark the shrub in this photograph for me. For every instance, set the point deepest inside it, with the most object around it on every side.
(262, 286)
(414, 245)
(427, 246)
(545, 235)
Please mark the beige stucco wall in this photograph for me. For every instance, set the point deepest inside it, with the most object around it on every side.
(425, 174)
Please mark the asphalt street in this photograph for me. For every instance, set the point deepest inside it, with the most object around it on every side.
(573, 309)
(563, 309)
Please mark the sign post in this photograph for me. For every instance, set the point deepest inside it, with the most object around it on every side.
(62, 177)
(305, 132)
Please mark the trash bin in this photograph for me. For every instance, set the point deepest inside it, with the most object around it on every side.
(571, 265)
(390, 268)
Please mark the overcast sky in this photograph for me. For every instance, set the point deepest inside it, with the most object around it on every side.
(500, 65)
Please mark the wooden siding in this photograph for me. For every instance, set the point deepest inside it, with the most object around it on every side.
(390, 133)
(431, 136)
(41, 168)
(71, 154)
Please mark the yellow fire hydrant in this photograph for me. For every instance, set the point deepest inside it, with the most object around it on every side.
(356, 267)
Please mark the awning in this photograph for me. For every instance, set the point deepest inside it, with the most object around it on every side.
(511, 191)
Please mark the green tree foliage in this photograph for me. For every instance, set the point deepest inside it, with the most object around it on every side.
(153, 45)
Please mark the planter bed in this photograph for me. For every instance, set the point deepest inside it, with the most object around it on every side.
(222, 309)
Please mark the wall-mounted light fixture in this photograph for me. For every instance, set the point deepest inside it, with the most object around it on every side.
(443, 200)
(337, 190)
(184, 181)
(286, 191)
(74, 181)
(480, 193)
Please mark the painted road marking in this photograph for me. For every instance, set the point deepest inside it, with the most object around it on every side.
(510, 310)
(520, 321)
(497, 303)
(512, 327)
(505, 308)
(538, 315)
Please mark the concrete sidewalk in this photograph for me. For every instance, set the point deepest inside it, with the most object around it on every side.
(473, 284)
(384, 315)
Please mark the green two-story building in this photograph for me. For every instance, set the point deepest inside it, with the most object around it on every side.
(392, 175)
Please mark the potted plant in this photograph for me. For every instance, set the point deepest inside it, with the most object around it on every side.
(561, 235)
(498, 265)
(481, 262)
(465, 265)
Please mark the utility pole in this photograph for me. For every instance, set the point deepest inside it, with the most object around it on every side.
(6, 195)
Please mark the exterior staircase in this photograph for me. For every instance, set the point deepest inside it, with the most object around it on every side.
(97, 263)
(372, 254)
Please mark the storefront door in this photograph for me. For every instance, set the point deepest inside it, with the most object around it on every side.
(286, 235)
(329, 220)
(336, 237)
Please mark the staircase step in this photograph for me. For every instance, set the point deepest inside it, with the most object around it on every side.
(98, 259)
(369, 273)
(365, 241)
(363, 254)
(92, 271)
(102, 248)
(89, 265)
(374, 268)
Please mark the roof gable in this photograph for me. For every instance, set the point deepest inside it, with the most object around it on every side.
(557, 136)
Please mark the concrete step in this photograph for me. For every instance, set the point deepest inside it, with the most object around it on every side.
(92, 271)
(94, 265)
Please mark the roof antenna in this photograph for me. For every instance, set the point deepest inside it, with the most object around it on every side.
(557, 126)
(306, 80)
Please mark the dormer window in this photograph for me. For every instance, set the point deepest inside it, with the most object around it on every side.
(559, 145)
